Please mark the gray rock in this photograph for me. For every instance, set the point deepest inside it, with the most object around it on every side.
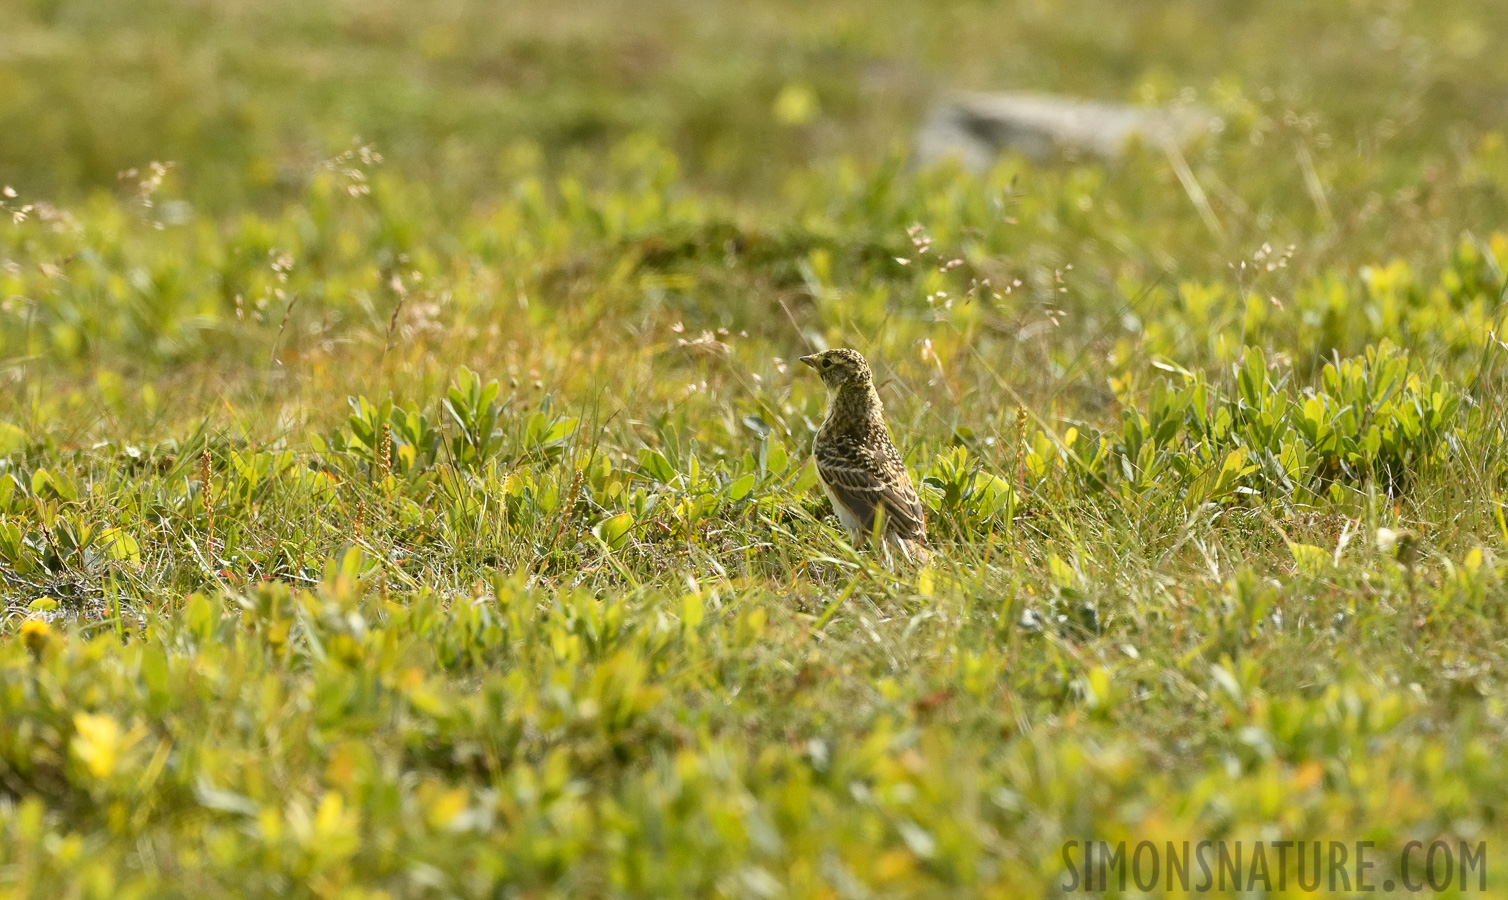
(975, 128)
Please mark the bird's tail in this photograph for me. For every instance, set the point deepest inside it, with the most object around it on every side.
(912, 551)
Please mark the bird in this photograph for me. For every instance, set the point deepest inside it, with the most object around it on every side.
(857, 464)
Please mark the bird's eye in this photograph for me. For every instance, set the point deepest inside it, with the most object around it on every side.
(827, 364)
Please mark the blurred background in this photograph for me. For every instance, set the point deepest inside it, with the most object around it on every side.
(227, 181)
(246, 98)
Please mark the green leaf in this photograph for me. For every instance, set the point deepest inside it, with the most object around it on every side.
(562, 429)
(614, 530)
(653, 464)
(119, 545)
(776, 459)
(11, 439)
(199, 615)
(740, 488)
(1062, 573)
(757, 425)
(1309, 559)
(806, 479)
(211, 797)
(154, 669)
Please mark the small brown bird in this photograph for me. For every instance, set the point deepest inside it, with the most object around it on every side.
(859, 468)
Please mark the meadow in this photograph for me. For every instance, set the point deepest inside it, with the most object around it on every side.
(404, 470)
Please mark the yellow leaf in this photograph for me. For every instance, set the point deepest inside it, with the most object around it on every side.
(692, 610)
(1309, 559)
(796, 104)
(1099, 684)
(11, 438)
(1473, 560)
(1062, 573)
(119, 545)
(894, 864)
(99, 743)
(445, 808)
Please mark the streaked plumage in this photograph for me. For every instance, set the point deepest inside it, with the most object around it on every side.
(857, 464)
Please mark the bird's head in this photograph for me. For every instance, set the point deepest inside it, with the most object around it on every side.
(840, 368)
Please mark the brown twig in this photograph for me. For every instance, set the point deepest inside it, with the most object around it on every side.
(283, 325)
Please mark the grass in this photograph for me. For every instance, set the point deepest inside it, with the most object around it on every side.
(433, 516)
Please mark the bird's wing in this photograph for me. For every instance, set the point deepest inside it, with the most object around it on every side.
(867, 481)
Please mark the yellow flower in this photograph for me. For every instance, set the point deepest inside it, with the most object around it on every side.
(99, 743)
(35, 632)
(797, 104)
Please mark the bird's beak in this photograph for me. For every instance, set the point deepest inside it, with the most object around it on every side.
(810, 360)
